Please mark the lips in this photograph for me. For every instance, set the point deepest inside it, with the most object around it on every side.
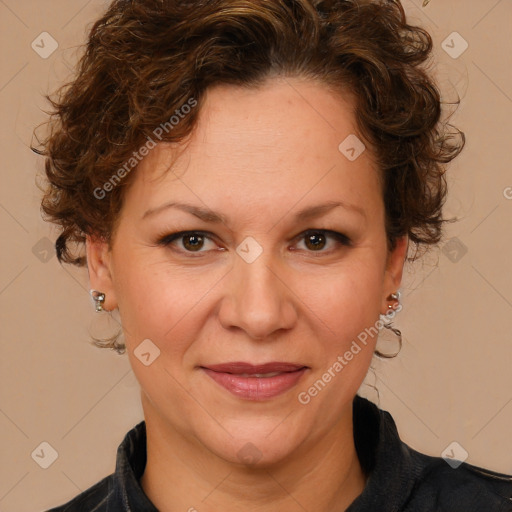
(239, 368)
(256, 382)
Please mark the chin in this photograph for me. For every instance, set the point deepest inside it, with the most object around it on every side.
(255, 446)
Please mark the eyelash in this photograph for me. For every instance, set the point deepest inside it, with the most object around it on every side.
(340, 238)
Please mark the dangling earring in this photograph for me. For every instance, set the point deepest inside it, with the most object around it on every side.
(99, 300)
(392, 309)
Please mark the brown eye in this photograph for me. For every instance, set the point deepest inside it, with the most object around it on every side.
(315, 241)
(193, 242)
(187, 242)
(323, 241)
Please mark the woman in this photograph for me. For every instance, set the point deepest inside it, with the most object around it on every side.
(247, 178)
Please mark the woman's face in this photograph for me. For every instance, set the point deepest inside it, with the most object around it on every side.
(262, 188)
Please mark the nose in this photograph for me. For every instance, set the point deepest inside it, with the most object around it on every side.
(258, 300)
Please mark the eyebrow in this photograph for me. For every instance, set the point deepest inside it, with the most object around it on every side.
(207, 215)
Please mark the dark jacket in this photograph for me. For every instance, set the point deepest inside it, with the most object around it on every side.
(400, 479)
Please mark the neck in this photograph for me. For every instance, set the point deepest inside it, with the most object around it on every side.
(181, 474)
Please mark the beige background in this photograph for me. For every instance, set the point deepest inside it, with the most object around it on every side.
(451, 382)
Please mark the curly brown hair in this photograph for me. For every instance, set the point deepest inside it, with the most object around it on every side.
(146, 59)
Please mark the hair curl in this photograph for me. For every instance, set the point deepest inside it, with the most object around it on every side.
(144, 59)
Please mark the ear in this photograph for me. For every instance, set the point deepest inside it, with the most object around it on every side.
(394, 270)
(99, 261)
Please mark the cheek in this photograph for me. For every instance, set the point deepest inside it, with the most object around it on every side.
(158, 301)
(349, 308)
(345, 300)
(354, 305)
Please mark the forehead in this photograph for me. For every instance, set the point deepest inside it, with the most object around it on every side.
(279, 142)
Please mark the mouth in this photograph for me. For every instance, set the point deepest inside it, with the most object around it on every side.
(256, 382)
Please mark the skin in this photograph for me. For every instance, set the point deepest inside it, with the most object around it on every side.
(257, 157)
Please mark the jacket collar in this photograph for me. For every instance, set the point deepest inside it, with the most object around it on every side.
(385, 459)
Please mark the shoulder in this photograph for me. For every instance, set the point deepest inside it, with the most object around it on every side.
(403, 479)
(466, 488)
(94, 499)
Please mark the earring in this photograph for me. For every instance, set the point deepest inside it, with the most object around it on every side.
(398, 334)
(395, 297)
(392, 308)
(99, 300)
